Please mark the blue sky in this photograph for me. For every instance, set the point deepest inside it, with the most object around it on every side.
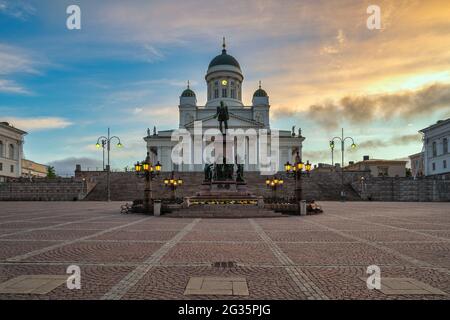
(126, 67)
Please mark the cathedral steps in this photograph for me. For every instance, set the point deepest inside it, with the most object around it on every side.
(125, 186)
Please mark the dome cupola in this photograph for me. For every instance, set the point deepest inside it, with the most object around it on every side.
(224, 79)
(260, 97)
(188, 93)
(260, 93)
(224, 59)
(188, 97)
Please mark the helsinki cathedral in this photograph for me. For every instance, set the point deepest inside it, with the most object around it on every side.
(224, 80)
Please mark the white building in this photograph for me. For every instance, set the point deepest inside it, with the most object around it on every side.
(436, 148)
(417, 164)
(11, 151)
(224, 78)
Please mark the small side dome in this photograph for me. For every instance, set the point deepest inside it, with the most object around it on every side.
(260, 93)
(188, 93)
(188, 97)
(260, 97)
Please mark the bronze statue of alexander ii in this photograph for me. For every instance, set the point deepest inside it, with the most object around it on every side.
(222, 116)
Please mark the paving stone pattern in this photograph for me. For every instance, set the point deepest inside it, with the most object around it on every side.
(142, 257)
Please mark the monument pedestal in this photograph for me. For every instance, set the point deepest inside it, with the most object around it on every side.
(223, 191)
(224, 199)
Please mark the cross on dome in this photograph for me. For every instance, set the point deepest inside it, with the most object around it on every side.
(224, 45)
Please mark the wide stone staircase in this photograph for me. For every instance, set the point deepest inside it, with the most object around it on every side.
(224, 211)
(126, 186)
(328, 191)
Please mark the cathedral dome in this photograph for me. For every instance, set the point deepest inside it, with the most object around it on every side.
(224, 80)
(224, 59)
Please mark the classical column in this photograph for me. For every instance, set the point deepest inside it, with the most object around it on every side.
(19, 157)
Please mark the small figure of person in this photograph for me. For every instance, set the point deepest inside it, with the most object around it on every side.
(313, 207)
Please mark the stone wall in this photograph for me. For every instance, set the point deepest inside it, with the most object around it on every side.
(126, 186)
(403, 189)
(61, 189)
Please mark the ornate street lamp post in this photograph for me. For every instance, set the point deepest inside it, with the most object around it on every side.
(274, 184)
(103, 143)
(296, 170)
(342, 140)
(148, 171)
(173, 183)
(107, 140)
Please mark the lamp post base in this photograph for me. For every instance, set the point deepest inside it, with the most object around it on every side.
(302, 207)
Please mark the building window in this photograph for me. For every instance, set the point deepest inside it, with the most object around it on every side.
(444, 164)
(216, 83)
(216, 93)
(11, 151)
(233, 93)
(433, 166)
(12, 168)
(1, 148)
(434, 149)
(1, 166)
(383, 171)
(224, 93)
(445, 142)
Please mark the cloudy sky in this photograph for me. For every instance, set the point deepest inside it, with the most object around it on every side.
(322, 67)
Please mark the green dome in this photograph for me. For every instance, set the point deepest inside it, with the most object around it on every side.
(224, 59)
(188, 93)
(260, 93)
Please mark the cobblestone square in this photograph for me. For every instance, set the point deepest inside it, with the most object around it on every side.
(145, 257)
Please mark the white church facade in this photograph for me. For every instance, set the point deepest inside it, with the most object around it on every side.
(224, 80)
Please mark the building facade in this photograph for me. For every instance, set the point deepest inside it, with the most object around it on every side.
(11, 151)
(31, 169)
(417, 164)
(380, 168)
(436, 139)
(224, 79)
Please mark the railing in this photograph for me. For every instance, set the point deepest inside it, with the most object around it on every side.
(98, 169)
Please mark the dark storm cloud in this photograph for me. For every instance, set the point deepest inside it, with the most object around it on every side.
(407, 139)
(316, 155)
(66, 167)
(373, 144)
(364, 109)
(369, 145)
(394, 141)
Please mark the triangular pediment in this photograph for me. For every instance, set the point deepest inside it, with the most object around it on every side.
(235, 121)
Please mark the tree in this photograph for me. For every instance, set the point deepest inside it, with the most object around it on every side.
(51, 172)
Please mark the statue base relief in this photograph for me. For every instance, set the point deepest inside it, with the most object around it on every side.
(223, 191)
